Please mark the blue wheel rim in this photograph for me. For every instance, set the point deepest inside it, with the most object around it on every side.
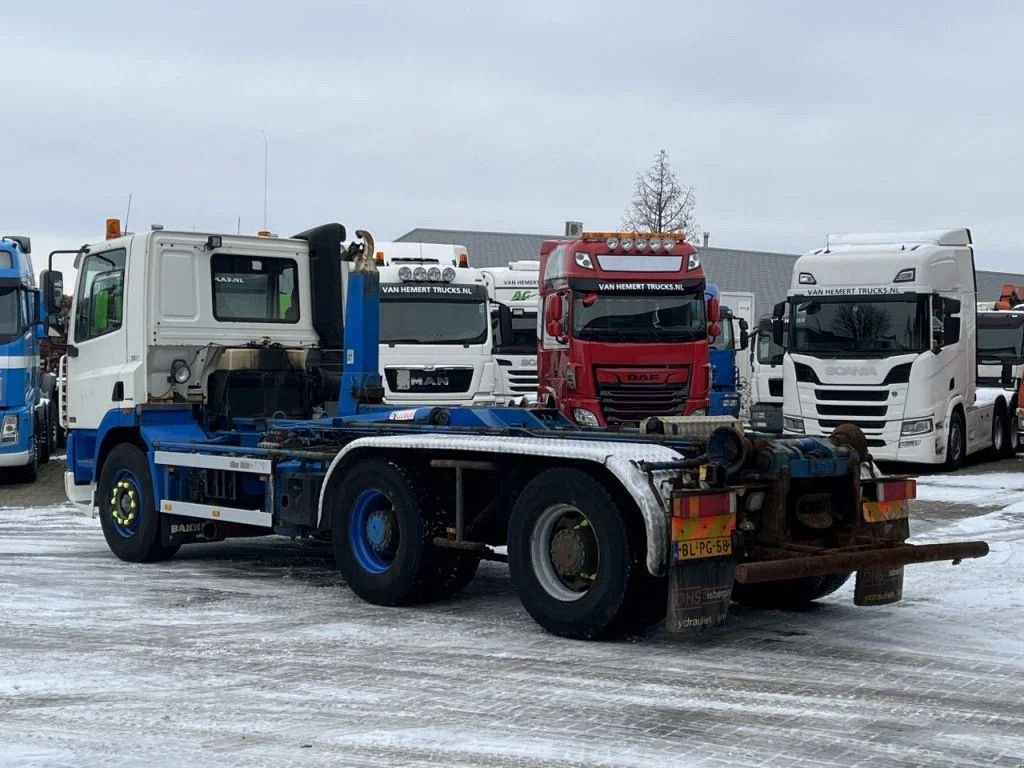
(373, 532)
(125, 504)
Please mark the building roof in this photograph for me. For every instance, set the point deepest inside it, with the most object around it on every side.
(765, 274)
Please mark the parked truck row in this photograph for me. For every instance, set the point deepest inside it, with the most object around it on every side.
(202, 406)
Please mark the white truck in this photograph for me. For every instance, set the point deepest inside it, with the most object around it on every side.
(515, 358)
(436, 339)
(765, 362)
(882, 334)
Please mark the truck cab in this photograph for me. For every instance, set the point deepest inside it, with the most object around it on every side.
(625, 328)
(515, 359)
(436, 339)
(766, 380)
(25, 412)
(724, 399)
(882, 334)
(1001, 361)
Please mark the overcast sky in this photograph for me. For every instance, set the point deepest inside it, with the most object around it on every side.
(791, 119)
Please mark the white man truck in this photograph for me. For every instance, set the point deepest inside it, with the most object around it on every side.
(436, 339)
(195, 402)
(882, 334)
(515, 358)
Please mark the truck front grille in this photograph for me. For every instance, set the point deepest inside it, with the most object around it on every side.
(633, 402)
(523, 381)
(437, 381)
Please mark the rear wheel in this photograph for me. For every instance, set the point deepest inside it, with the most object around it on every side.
(382, 538)
(128, 513)
(792, 593)
(1009, 444)
(43, 443)
(576, 561)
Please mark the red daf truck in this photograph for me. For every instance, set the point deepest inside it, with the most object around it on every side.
(624, 328)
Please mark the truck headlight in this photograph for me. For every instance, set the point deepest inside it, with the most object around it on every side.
(917, 427)
(585, 418)
(180, 372)
(699, 412)
(9, 431)
(792, 424)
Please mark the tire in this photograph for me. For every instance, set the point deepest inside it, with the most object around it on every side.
(955, 452)
(792, 593)
(1000, 433)
(1010, 443)
(56, 430)
(381, 538)
(600, 588)
(132, 532)
(43, 438)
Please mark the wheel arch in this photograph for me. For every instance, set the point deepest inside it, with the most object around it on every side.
(628, 485)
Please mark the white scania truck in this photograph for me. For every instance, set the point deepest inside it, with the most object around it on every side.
(436, 341)
(515, 358)
(882, 334)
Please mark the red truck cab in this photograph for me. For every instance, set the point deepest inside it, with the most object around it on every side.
(624, 328)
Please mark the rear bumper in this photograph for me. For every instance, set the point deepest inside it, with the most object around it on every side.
(845, 562)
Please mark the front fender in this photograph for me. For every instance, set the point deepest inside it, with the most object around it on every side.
(620, 459)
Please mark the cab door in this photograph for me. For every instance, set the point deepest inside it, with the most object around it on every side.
(97, 346)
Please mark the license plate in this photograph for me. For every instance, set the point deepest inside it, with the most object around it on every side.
(695, 549)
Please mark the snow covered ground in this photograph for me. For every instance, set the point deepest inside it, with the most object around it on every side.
(255, 654)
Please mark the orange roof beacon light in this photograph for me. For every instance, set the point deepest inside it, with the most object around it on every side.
(113, 228)
(379, 258)
(463, 260)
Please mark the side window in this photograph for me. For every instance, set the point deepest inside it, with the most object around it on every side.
(945, 321)
(100, 299)
(254, 289)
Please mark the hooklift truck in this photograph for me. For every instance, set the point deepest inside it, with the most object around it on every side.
(177, 439)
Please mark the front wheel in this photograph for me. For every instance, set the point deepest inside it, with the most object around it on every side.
(575, 561)
(955, 442)
(128, 513)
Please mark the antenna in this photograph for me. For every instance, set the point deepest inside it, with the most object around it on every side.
(828, 247)
(239, 225)
(127, 213)
(266, 154)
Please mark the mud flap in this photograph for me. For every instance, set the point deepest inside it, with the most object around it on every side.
(188, 530)
(698, 594)
(879, 587)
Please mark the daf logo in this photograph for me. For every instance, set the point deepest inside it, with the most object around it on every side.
(428, 381)
(641, 377)
(851, 370)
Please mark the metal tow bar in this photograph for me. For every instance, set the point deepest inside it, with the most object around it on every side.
(844, 562)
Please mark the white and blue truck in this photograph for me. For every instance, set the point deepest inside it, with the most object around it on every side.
(204, 402)
(28, 412)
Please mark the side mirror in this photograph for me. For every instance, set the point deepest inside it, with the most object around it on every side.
(505, 323)
(778, 332)
(714, 310)
(53, 291)
(553, 310)
(714, 330)
(744, 338)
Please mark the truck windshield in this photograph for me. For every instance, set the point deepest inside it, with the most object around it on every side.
(848, 328)
(524, 335)
(613, 317)
(768, 352)
(9, 300)
(432, 321)
(726, 339)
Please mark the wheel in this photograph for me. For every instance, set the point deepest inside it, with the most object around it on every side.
(56, 430)
(43, 438)
(128, 514)
(382, 538)
(1009, 449)
(792, 593)
(1000, 433)
(955, 447)
(576, 562)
